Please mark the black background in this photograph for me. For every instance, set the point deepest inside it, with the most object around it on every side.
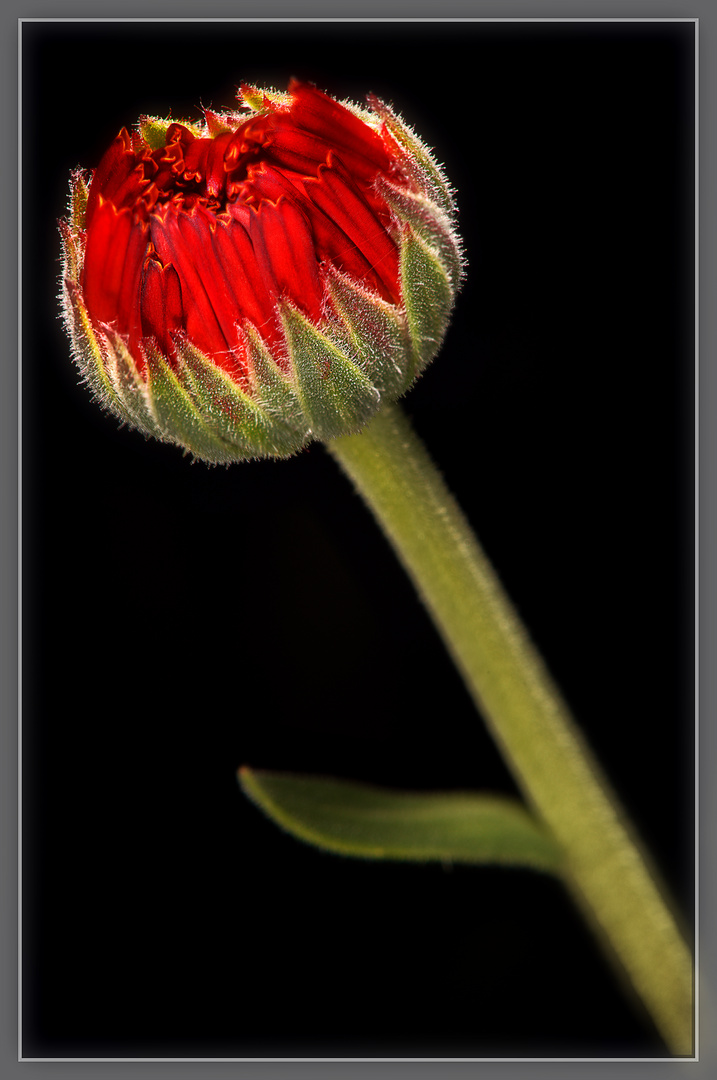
(181, 621)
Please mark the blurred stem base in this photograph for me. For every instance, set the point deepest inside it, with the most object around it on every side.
(605, 867)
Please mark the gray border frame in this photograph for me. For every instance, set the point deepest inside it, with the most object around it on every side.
(370, 10)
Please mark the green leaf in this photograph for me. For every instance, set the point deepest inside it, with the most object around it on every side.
(380, 823)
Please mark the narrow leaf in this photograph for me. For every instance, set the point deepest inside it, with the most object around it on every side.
(380, 823)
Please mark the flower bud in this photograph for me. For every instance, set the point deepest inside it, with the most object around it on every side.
(245, 285)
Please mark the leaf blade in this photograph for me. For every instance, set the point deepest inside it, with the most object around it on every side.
(370, 822)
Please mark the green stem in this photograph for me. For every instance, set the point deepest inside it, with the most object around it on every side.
(605, 868)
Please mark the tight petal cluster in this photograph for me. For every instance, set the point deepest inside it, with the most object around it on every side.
(243, 286)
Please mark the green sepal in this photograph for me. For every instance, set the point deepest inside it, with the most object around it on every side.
(428, 297)
(219, 124)
(418, 161)
(431, 224)
(78, 202)
(132, 390)
(73, 254)
(104, 361)
(254, 97)
(179, 416)
(89, 353)
(335, 394)
(375, 332)
(370, 822)
(232, 415)
(271, 388)
(153, 129)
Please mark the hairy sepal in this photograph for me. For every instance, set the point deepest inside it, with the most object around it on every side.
(373, 331)
(430, 223)
(336, 396)
(417, 161)
(254, 427)
(428, 297)
(90, 352)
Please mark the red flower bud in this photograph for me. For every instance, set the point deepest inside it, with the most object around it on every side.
(244, 286)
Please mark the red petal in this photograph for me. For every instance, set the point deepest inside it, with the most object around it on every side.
(132, 191)
(179, 135)
(116, 249)
(279, 139)
(335, 193)
(334, 245)
(220, 280)
(161, 304)
(316, 112)
(267, 182)
(195, 159)
(170, 165)
(183, 239)
(215, 171)
(204, 162)
(247, 141)
(114, 168)
(240, 212)
(286, 256)
(237, 263)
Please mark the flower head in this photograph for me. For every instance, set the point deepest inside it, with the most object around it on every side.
(265, 278)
